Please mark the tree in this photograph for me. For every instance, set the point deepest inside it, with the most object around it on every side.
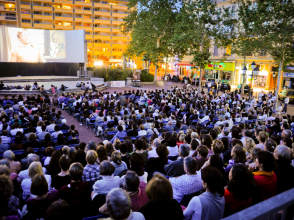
(273, 28)
(199, 24)
(241, 39)
(151, 24)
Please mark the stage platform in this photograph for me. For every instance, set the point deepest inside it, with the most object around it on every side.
(47, 81)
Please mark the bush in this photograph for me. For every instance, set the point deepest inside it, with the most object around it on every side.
(146, 77)
(100, 72)
(116, 74)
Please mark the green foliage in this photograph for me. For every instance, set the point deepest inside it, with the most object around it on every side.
(151, 21)
(100, 72)
(111, 74)
(146, 77)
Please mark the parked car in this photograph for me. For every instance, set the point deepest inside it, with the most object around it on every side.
(285, 92)
(210, 80)
(225, 86)
(246, 88)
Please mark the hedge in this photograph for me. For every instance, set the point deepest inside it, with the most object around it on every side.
(118, 74)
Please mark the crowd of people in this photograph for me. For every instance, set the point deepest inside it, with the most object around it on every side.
(162, 154)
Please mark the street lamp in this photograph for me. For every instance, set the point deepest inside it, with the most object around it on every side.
(253, 65)
(274, 76)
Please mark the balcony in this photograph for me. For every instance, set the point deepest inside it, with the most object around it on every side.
(3, 8)
(89, 12)
(68, 27)
(98, 13)
(27, 16)
(68, 2)
(26, 25)
(79, 3)
(88, 37)
(79, 19)
(67, 18)
(96, 4)
(88, 20)
(68, 10)
(25, 7)
(58, 1)
(79, 11)
(47, 8)
(48, 17)
(58, 9)
(87, 28)
(38, 16)
(47, 1)
(38, 25)
(7, 18)
(79, 27)
(48, 26)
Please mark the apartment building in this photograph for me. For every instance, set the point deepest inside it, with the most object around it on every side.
(100, 19)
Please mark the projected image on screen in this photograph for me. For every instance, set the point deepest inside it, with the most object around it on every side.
(34, 46)
(23, 50)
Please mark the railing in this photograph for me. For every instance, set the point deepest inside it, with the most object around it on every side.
(10, 17)
(267, 208)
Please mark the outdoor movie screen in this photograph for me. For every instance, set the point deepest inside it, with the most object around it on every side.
(41, 46)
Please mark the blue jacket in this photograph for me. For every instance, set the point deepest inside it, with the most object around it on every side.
(119, 134)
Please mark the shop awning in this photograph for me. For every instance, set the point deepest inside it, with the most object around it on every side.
(184, 63)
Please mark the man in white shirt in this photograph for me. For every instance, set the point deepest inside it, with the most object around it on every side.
(156, 142)
(15, 129)
(25, 173)
(286, 101)
(188, 183)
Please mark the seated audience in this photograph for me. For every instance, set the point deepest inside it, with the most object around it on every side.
(38, 206)
(92, 169)
(189, 183)
(78, 193)
(176, 168)
(240, 189)
(62, 178)
(161, 204)
(211, 203)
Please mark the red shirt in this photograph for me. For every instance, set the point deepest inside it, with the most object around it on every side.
(266, 184)
(139, 199)
(234, 205)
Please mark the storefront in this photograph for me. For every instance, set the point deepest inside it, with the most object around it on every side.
(288, 78)
(220, 71)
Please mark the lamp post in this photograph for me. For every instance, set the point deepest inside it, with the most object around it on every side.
(274, 76)
(252, 67)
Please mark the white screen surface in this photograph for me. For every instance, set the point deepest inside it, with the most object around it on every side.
(41, 46)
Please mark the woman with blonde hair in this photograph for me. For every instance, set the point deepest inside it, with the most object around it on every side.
(118, 163)
(249, 144)
(34, 169)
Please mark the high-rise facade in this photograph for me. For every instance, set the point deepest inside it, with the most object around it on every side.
(101, 20)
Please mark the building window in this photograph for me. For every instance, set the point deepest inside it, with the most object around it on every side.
(25, 21)
(46, 13)
(215, 51)
(37, 21)
(25, 12)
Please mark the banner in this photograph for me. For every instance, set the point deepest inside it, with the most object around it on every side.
(117, 83)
